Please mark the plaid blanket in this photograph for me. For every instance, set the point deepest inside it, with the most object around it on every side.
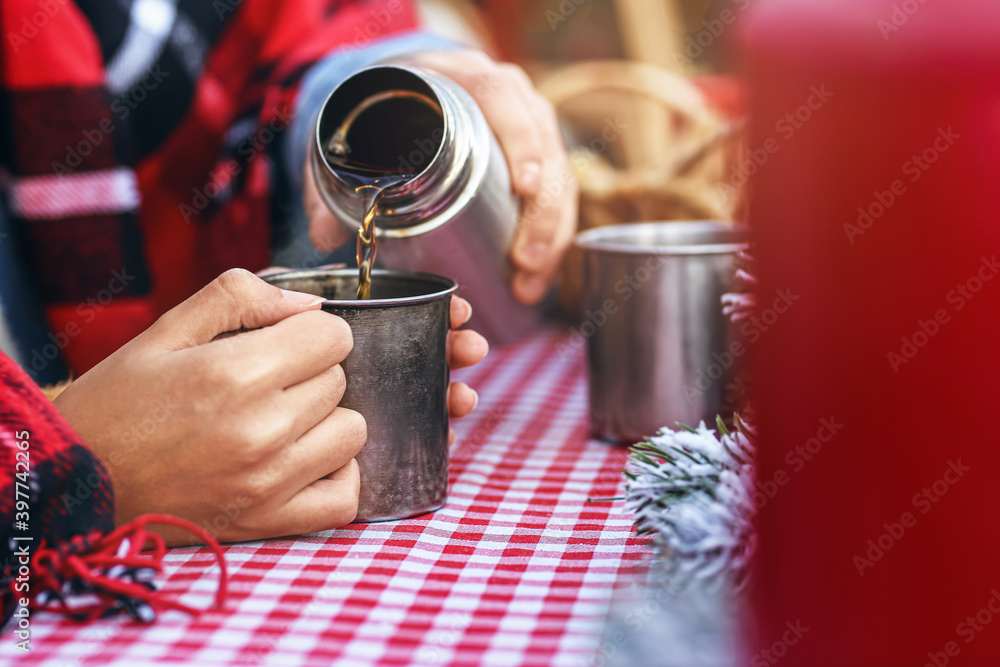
(139, 144)
(54, 488)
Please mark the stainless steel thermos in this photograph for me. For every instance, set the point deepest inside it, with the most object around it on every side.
(457, 215)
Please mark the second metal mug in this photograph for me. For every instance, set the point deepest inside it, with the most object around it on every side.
(397, 378)
(653, 323)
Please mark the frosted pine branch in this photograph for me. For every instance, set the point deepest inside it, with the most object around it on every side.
(690, 489)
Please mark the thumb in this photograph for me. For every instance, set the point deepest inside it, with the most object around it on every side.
(235, 300)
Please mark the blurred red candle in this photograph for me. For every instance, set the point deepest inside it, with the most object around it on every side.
(875, 143)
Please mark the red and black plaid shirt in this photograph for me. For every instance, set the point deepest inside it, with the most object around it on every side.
(137, 144)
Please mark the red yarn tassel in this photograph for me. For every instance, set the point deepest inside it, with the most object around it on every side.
(97, 575)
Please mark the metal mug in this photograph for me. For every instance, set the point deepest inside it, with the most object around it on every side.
(653, 323)
(457, 216)
(397, 378)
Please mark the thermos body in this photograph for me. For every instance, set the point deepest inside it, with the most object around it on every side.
(458, 215)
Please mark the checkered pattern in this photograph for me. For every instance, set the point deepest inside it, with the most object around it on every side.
(517, 569)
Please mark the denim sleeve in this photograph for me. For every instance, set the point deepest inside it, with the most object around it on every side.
(25, 336)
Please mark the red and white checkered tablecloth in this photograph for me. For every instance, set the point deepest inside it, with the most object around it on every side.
(517, 569)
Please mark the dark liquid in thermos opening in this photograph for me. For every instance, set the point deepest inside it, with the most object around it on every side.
(369, 157)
